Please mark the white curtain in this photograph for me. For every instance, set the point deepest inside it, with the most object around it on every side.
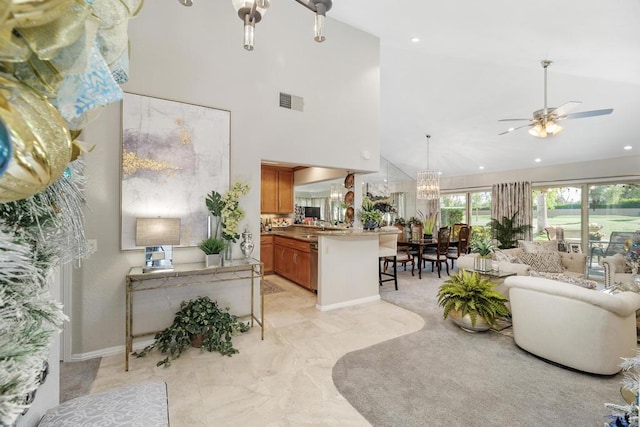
(511, 197)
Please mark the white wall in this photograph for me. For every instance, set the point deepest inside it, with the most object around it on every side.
(195, 55)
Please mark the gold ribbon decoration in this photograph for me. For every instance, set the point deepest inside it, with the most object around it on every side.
(40, 139)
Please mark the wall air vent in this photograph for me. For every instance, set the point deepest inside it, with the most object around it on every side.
(291, 102)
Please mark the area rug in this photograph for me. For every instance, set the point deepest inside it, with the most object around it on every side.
(268, 287)
(76, 378)
(442, 375)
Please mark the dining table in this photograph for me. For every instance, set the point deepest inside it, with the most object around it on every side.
(420, 245)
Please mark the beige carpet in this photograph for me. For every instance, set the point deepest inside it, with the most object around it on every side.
(442, 375)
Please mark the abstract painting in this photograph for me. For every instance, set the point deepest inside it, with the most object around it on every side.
(173, 155)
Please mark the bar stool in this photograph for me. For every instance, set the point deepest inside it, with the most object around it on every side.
(388, 250)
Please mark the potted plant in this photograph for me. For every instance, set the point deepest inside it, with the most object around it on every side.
(428, 222)
(198, 323)
(471, 301)
(369, 215)
(484, 249)
(506, 232)
(226, 214)
(212, 248)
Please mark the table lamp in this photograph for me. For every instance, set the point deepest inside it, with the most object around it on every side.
(158, 235)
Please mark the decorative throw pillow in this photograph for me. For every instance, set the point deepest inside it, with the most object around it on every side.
(549, 262)
(537, 246)
(499, 255)
(578, 281)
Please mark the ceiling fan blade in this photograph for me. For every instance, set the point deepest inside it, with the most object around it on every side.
(591, 113)
(513, 120)
(516, 128)
(565, 108)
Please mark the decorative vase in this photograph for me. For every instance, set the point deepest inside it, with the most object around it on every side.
(370, 225)
(427, 236)
(213, 260)
(227, 254)
(247, 245)
(464, 322)
(482, 264)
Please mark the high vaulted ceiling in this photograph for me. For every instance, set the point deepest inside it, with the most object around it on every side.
(479, 61)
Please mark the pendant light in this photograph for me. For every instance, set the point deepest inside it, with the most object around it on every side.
(428, 181)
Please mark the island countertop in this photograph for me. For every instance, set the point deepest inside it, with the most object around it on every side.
(311, 233)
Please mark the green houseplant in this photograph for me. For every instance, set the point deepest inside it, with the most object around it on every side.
(484, 249)
(428, 222)
(212, 248)
(198, 323)
(506, 232)
(471, 301)
(369, 215)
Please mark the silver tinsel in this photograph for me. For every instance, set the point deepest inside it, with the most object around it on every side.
(28, 255)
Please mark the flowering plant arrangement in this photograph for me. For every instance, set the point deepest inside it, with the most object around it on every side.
(632, 251)
(227, 209)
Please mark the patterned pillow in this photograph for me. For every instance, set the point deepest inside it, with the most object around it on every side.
(537, 246)
(500, 255)
(578, 281)
(549, 262)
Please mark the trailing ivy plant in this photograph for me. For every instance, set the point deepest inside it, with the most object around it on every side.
(197, 317)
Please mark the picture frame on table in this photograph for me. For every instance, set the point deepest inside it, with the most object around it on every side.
(575, 248)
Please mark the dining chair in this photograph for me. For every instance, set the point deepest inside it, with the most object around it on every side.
(462, 246)
(403, 254)
(455, 229)
(442, 248)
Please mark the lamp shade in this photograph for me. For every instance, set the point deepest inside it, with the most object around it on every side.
(157, 231)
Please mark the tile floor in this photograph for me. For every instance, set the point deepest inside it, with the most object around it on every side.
(283, 380)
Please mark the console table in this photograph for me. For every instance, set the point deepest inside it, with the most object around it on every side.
(190, 275)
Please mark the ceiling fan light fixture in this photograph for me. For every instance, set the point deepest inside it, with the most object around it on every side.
(543, 130)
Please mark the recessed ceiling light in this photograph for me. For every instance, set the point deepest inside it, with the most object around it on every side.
(415, 39)
(481, 167)
(537, 160)
(627, 147)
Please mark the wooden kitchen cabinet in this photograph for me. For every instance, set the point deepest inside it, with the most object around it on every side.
(276, 191)
(292, 260)
(267, 253)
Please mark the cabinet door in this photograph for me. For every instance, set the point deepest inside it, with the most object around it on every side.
(303, 269)
(279, 261)
(269, 190)
(266, 256)
(285, 191)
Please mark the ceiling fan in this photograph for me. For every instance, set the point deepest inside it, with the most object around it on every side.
(544, 121)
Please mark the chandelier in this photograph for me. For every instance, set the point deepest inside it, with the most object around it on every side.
(428, 181)
(252, 11)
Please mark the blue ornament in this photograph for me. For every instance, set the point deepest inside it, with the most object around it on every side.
(67, 173)
(6, 148)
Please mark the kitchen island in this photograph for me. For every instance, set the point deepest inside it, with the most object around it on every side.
(347, 263)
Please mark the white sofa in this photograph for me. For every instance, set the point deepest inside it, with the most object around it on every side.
(573, 264)
(576, 327)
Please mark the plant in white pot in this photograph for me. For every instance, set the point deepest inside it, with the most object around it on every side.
(213, 249)
(471, 301)
(484, 249)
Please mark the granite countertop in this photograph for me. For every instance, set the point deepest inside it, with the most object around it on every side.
(310, 234)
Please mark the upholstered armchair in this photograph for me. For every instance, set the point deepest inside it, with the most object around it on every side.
(615, 270)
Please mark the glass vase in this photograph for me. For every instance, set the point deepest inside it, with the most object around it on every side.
(227, 255)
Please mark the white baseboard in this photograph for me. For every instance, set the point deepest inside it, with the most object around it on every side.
(348, 303)
(107, 352)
